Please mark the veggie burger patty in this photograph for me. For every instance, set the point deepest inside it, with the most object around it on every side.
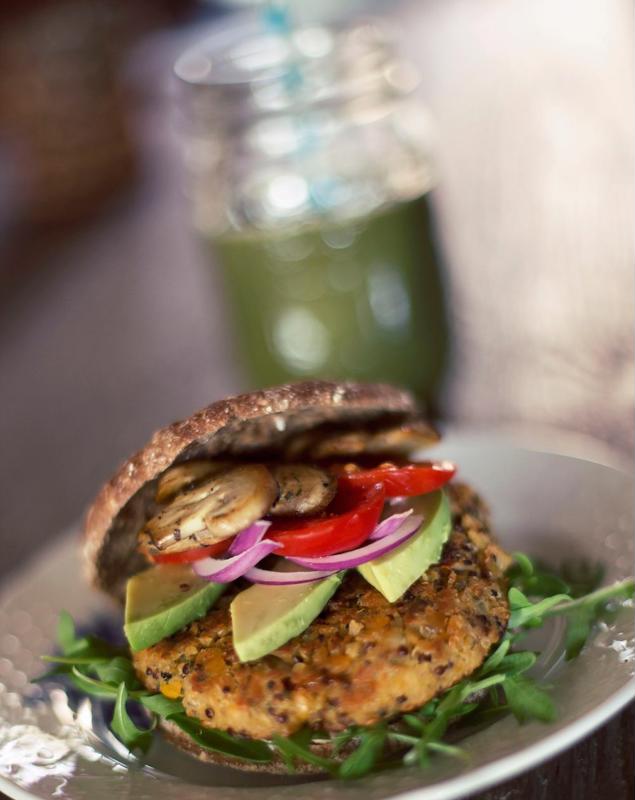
(362, 660)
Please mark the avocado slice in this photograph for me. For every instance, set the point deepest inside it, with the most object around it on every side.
(265, 617)
(162, 600)
(394, 572)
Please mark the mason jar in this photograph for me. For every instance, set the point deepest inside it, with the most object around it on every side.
(310, 169)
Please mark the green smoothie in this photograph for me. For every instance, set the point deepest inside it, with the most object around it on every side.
(360, 299)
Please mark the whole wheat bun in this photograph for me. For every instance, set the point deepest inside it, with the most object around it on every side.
(274, 767)
(242, 425)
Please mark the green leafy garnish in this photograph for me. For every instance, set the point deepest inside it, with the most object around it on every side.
(77, 660)
(90, 685)
(535, 579)
(363, 758)
(579, 628)
(101, 670)
(583, 612)
(66, 636)
(124, 728)
(296, 748)
(160, 705)
(221, 742)
(117, 670)
(515, 663)
(527, 700)
(525, 612)
(491, 663)
(501, 685)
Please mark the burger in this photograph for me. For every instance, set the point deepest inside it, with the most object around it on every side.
(286, 565)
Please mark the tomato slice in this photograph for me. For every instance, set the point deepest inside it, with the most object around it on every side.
(407, 480)
(196, 553)
(348, 521)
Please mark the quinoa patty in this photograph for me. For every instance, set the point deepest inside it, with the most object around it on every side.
(362, 660)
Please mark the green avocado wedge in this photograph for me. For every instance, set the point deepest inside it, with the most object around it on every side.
(265, 617)
(394, 572)
(162, 600)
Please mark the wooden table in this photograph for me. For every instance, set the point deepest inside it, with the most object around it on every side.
(109, 332)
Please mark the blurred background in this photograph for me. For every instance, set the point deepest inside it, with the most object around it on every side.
(437, 193)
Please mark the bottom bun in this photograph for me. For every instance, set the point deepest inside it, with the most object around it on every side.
(276, 766)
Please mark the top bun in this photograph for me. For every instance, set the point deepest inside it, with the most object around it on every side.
(242, 425)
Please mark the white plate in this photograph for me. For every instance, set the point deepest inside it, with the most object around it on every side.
(544, 504)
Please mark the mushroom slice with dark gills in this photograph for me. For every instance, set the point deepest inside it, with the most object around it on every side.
(302, 489)
(185, 476)
(396, 440)
(212, 511)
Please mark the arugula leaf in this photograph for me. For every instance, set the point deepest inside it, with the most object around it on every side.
(124, 728)
(449, 750)
(435, 729)
(301, 738)
(340, 740)
(525, 564)
(221, 742)
(294, 749)
(117, 670)
(524, 611)
(76, 660)
(297, 747)
(579, 626)
(496, 657)
(526, 700)
(515, 663)
(91, 686)
(430, 708)
(621, 590)
(160, 705)
(583, 612)
(455, 703)
(60, 669)
(413, 721)
(362, 760)
(466, 708)
(544, 584)
(66, 637)
(89, 647)
(469, 688)
(534, 579)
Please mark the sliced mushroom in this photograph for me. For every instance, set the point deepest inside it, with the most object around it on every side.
(246, 495)
(300, 444)
(404, 439)
(400, 439)
(303, 489)
(212, 511)
(183, 476)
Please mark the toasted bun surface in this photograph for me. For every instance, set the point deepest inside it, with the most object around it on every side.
(241, 425)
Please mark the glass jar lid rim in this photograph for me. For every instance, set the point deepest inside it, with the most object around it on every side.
(323, 63)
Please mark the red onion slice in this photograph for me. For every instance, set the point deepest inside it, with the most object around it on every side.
(225, 570)
(389, 525)
(249, 537)
(368, 552)
(274, 578)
